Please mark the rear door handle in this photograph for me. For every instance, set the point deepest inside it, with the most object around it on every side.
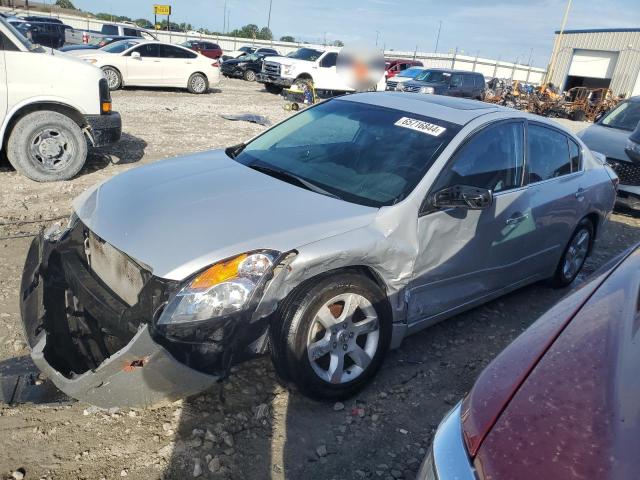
(517, 219)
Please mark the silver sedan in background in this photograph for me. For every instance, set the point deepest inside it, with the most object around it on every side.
(324, 241)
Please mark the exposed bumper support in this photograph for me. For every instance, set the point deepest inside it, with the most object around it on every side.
(104, 129)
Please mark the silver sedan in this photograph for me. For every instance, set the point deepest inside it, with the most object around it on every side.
(324, 241)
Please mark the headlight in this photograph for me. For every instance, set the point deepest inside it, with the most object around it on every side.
(220, 290)
(287, 69)
(426, 90)
(90, 60)
(632, 146)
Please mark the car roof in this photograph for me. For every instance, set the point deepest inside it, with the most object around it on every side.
(452, 109)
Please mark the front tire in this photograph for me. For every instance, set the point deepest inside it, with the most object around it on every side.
(47, 146)
(249, 75)
(114, 79)
(198, 84)
(331, 336)
(575, 255)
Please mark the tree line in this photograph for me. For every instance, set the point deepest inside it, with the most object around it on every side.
(248, 31)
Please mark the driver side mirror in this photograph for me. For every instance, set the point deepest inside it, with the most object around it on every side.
(136, 55)
(463, 196)
(599, 116)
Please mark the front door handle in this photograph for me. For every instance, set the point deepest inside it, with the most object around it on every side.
(580, 193)
(517, 219)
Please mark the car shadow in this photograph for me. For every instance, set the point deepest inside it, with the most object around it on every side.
(130, 149)
(168, 90)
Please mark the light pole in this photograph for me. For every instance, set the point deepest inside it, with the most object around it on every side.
(269, 17)
(377, 35)
(438, 36)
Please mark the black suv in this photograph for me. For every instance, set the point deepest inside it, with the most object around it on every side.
(453, 83)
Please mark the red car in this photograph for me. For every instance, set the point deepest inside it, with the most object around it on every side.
(208, 49)
(394, 67)
(563, 400)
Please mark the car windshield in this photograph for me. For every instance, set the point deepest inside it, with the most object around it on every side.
(361, 153)
(120, 46)
(246, 49)
(624, 117)
(306, 54)
(434, 76)
(411, 72)
(26, 43)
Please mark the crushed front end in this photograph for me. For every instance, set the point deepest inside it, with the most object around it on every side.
(91, 317)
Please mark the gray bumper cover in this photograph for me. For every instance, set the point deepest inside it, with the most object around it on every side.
(140, 375)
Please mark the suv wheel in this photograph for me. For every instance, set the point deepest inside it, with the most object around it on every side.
(331, 337)
(47, 146)
(575, 255)
(249, 75)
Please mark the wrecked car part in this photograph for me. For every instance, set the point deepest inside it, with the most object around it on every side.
(249, 117)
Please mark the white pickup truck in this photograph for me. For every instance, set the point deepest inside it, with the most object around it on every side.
(310, 65)
(52, 107)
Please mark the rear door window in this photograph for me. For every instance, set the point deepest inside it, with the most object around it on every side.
(169, 51)
(547, 154)
(456, 80)
(130, 32)
(467, 81)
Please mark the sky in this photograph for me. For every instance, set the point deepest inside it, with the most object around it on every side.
(506, 29)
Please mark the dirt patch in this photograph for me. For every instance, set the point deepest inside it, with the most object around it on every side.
(249, 427)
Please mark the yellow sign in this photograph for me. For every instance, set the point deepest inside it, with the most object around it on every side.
(162, 9)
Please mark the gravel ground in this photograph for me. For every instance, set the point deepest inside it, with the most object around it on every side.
(250, 426)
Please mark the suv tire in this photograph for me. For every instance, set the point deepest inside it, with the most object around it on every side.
(47, 146)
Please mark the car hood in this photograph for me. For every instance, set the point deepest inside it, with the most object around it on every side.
(286, 60)
(236, 61)
(576, 415)
(608, 141)
(180, 215)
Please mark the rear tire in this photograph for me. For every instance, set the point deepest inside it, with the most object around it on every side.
(198, 84)
(114, 79)
(327, 352)
(575, 254)
(249, 75)
(47, 146)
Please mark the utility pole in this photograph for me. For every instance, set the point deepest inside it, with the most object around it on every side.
(269, 17)
(438, 36)
(224, 18)
(530, 55)
(377, 35)
(554, 54)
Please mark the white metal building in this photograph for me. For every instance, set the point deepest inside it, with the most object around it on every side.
(598, 58)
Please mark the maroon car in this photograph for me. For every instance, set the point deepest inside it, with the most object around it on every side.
(208, 49)
(563, 400)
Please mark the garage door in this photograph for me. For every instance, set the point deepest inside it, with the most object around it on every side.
(593, 64)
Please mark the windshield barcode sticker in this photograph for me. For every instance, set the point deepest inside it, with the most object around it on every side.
(420, 126)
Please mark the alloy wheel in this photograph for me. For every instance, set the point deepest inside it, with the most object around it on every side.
(576, 253)
(343, 338)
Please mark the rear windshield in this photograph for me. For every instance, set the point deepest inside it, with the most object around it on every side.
(361, 153)
(624, 117)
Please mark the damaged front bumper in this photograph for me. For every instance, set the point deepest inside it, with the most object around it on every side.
(89, 314)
